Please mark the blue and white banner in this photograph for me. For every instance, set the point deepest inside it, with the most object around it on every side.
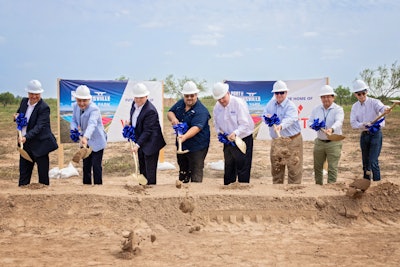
(114, 98)
(304, 93)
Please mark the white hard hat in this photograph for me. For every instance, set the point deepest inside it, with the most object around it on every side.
(220, 90)
(190, 88)
(82, 92)
(140, 90)
(34, 87)
(326, 90)
(279, 86)
(359, 85)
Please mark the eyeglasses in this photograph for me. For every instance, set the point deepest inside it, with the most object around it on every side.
(360, 93)
(280, 93)
(190, 96)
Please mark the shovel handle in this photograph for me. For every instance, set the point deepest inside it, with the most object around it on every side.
(180, 151)
(134, 157)
(276, 131)
(383, 114)
(19, 138)
(325, 132)
(179, 144)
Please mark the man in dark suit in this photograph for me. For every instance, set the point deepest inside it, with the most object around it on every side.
(37, 138)
(149, 138)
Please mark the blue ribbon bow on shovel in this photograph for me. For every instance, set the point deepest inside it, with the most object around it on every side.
(223, 138)
(74, 135)
(21, 121)
(375, 127)
(318, 125)
(180, 128)
(271, 121)
(129, 132)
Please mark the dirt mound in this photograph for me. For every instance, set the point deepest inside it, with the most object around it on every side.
(166, 226)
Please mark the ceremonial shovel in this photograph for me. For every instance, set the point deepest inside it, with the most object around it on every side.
(21, 150)
(139, 177)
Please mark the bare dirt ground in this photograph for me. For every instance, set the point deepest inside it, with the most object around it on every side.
(207, 224)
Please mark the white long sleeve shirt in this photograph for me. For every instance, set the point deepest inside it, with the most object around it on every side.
(333, 117)
(366, 112)
(235, 117)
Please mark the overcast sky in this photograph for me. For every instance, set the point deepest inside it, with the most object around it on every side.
(213, 40)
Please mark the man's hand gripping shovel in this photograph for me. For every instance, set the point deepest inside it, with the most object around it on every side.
(320, 126)
(223, 138)
(83, 150)
(180, 129)
(129, 133)
(376, 121)
(273, 121)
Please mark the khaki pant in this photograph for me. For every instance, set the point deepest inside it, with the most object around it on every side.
(287, 152)
(326, 151)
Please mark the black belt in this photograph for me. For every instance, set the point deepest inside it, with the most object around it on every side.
(325, 141)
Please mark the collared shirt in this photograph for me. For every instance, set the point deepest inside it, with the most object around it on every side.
(333, 117)
(136, 113)
(27, 116)
(235, 117)
(288, 115)
(366, 112)
(197, 115)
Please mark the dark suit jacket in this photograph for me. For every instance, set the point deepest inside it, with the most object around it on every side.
(148, 130)
(39, 138)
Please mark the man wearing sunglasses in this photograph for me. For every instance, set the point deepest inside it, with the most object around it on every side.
(289, 127)
(196, 139)
(363, 112)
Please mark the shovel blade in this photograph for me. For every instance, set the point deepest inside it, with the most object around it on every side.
(240, 144)
(336, 137)
(24, 154)
(142, 180)
(139, 178)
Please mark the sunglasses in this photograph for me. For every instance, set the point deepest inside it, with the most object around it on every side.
(189, 96)
(361, 93)
(280, 93)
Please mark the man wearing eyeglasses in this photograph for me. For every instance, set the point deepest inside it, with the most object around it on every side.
(196, 139)
(289, 127)
(362, 114)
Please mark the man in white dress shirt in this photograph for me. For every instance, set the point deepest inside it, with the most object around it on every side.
(324, 149)
(363, 112)
(232, 118)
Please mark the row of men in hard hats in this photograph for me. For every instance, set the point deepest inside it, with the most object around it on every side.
(233, 125)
